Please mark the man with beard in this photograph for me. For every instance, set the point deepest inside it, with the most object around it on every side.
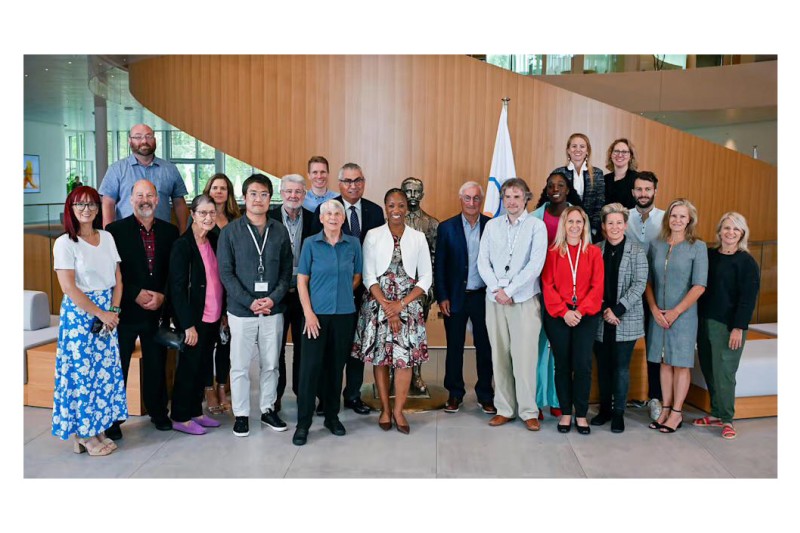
(143, 164)
(144, 243)
(644, 224)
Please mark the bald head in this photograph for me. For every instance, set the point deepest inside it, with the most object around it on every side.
(142, 141)
(144, 199)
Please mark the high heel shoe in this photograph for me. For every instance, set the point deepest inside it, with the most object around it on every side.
(106, 441)
(386, 426)
(666, 429)
(654, 424)
(93, 446)
(212, 401)
(405, 430)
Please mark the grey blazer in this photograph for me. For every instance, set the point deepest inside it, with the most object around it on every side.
(631, 282)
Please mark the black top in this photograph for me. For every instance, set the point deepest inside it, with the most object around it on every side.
(187, 280)
(732, 290)
(612, 257)
(620, 191)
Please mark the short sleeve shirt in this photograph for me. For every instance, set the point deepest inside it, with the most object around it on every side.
(95, 266)
(331, 270)
(121, 176)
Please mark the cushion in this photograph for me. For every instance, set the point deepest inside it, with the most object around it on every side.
(35, 310)
(758, 370)
(770, 328)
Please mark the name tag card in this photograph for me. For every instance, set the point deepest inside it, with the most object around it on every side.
(262, 286)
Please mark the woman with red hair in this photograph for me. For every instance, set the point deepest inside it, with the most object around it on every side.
(89, 392)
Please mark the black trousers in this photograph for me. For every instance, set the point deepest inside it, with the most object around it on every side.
(187, 394)
(653, 369)
(572, 355)
(154, 365)
(613, 373)
(292, 317)
(354, 368)
(218, 361)
(323, 362)
(455, 327)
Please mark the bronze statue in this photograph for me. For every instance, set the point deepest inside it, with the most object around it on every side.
(421, 221)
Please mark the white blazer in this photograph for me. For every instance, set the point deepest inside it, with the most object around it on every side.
(377, 251)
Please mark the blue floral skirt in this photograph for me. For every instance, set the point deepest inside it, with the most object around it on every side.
(89, 392)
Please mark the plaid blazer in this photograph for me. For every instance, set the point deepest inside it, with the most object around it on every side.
(631, 282)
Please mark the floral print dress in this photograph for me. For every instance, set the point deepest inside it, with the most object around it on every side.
(374, 341)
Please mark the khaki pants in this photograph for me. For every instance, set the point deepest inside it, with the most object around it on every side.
(263, 332)
(514, 336)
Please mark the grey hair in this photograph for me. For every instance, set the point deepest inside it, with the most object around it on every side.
(350, 166)
(293, 178)
(738, 220)
(330, 206)
(468, 185)
(616, 207)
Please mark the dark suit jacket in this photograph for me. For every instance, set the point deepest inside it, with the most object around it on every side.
(135, 274)
(308, 222)
(451, 268)
(371, 218)
(187, 280)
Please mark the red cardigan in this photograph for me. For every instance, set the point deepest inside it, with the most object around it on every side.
(557, 281)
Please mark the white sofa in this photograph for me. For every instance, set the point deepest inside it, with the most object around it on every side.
(40, 327)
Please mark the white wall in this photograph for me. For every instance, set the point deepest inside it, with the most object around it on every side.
(742, 137)
(47, 141)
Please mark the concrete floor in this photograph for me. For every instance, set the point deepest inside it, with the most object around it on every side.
(440, 445)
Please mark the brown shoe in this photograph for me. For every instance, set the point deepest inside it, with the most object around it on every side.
(488, 407)
(532, 424)
(452, 405)
(499, 420)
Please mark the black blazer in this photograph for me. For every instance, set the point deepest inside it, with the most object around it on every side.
(308, 222)
(371, 218)
(187, 280)
(451, 268)
(135, 274)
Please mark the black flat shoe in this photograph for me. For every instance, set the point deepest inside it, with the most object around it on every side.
(617, 423)
(358, 406)
(564, 428)
(300, 436)
(601, 418)
(335, 427)
(583, 430)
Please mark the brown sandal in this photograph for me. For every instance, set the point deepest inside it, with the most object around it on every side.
(212, 402)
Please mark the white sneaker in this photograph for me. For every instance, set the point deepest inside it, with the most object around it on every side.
(655, 408)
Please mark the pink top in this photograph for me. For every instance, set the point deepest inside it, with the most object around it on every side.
(213, 309)
(551, 223)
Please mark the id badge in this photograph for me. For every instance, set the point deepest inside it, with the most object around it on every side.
(262, 286)
(502, 283)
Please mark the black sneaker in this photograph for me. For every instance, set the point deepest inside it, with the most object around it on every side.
(241, 428)
(272, 419)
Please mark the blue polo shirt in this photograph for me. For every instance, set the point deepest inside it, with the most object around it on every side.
(121, 176)
(331, 270)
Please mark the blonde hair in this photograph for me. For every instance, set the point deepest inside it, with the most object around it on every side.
(739, 222)
(589, 167)
(610, 209)
(689, 232)
(560, 242)
(632, 164)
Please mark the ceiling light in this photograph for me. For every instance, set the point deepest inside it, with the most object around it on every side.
(46, 69)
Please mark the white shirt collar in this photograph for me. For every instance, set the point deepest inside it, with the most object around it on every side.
(571, 166)
(348, 205)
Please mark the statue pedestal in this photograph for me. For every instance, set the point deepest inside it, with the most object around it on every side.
(434, 398)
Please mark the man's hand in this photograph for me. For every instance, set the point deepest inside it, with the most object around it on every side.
(445, 307)
(143, 298)
(502, 298)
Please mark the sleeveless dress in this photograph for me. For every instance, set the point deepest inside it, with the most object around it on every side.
(374, 341)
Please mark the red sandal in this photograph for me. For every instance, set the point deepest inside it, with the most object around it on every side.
(707, 421)
(728, 432)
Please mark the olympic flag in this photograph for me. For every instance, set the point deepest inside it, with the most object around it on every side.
(502, 166)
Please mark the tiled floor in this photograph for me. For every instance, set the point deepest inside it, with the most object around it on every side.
(440, 445)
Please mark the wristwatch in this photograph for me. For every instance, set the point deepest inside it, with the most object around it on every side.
(115, 309)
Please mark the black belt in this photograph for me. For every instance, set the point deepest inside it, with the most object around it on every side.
(472, 291)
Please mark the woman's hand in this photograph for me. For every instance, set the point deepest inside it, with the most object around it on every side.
(658, 316)
(572, 318)
(109, 318)
(191, 336)
(671, 315)
(395, 323)
(311, 328)
(393, 309)
(735, 340)
(610, 317)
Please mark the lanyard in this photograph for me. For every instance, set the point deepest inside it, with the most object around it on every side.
(574, 271)
(259, 250)
(512, 244)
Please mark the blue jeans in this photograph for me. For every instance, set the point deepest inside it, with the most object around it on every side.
(613, 373)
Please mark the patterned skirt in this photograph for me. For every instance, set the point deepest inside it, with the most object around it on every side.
(89, 392)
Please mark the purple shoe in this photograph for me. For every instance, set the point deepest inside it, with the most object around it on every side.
(206, 421)
(191, 427)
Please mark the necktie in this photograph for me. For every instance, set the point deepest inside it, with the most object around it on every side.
(355, 227)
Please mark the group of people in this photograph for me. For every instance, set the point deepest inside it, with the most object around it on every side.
(355, 287)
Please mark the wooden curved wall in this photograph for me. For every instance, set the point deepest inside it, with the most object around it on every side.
(433, 117)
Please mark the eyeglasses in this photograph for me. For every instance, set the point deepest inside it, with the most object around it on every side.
(620, 152)
(139, 137)
(263, 195)
(348, 183)
(82, 206)
(471, 199)
(204, 214)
